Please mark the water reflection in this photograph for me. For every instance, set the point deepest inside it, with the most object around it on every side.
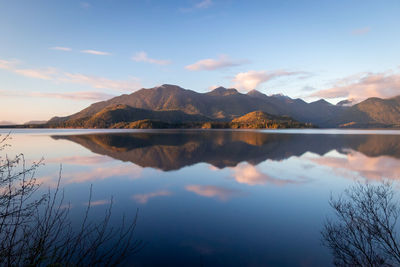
(245, 173)
(143, 198)
(370, 156)
(233, 198)
(213, 191)
(357, 164)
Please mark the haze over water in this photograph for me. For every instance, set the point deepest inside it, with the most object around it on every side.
(214, 197)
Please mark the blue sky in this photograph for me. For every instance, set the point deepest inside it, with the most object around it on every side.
(57, 57)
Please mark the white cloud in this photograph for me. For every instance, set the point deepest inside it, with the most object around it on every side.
(66, 77)
(61, 48)
(363, 85)
(142, 57)
(95, 52)
(252, 79)
(361, 31)
(223, 61)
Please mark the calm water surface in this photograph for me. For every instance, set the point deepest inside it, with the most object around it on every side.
(233, 198)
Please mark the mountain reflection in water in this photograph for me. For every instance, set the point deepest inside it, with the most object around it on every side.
(173, 150)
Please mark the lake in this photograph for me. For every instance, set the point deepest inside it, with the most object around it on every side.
(214, 197)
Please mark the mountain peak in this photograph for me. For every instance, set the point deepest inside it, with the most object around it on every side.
(281, 96)
(255, 93)
(222, 91)
(169, 86)
(321, 102)
(345, 103)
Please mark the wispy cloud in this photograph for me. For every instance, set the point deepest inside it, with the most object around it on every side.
(144, 198)
(95, 96)
(101, 82)
(213, 191)
(204, 4)
(252, 79)
(61, 48)
(199, 5)
(142, 57)
(95, 52)
(85, 4)
(44, 74)
(361, 31)
(77, 95)
(223, 61)
(12, 65)
(363, 85)
(58, 76)
(8, 64)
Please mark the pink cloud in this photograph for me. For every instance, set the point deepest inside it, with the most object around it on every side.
(142, 57)
(252, 79)
(83, 95)
(66, 77)
(364, 85)
(221, 62)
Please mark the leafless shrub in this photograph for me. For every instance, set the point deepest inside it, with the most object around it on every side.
(37, 230)
(365, 230)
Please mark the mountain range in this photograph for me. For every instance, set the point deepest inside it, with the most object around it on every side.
(171, 104)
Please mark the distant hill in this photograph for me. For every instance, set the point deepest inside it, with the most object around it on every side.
(371, 113)
(259, 119)
(34, 122)
(221, 104)
(172, 105)
(7, 123)
(120, 115)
